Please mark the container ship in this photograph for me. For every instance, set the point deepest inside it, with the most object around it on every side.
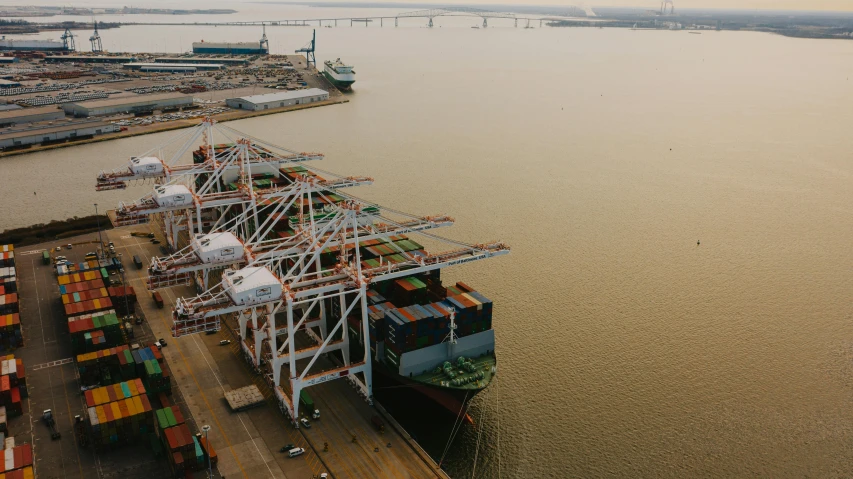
(32, 45)
(340, 75)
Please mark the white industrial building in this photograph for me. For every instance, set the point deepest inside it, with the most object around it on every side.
(132, 104)
(71, 131)
(30, 115)
(172, 67)
(278, 99)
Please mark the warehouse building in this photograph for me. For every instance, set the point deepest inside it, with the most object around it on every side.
(240, 48)
(30, 115)
(172, 67)
(278, 99)
(131, 104)
(8, 60)
(9, 83)
(55, 134)
(194, 60)
(87, 59)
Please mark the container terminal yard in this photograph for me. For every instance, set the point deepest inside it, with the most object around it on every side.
(152, 349)
(54, 99)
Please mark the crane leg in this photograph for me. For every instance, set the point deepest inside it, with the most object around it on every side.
(485, 22)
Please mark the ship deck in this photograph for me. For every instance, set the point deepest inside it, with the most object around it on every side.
(487, 364)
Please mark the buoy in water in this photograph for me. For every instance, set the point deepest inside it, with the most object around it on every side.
(697, 242)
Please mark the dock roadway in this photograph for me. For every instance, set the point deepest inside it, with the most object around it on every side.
(248, 442)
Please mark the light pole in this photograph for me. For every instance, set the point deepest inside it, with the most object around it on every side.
(100, 239)
(124, 286)
(206, 428)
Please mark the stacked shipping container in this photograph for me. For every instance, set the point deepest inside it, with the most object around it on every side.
(91, 332)
(18, 461)
(120, 421)
(11, 336)
(418, 326)
(13, 385)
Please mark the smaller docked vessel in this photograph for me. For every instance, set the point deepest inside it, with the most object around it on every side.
(340, 75)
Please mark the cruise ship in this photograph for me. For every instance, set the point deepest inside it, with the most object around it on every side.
(340, 75)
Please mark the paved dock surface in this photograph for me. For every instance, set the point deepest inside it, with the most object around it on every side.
(247, 442)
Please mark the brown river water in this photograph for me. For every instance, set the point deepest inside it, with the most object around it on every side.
(601, 156)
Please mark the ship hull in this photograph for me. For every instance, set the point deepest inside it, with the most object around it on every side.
(451, 400)
(339, 84)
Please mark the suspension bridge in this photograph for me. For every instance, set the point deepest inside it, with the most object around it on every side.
(428, 14)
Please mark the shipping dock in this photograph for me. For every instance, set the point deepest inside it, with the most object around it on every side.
(53, 99)
(235, 319)
(314, 290)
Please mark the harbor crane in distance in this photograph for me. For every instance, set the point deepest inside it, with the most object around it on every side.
(95, 39)
(265, 43)
(308, 50)
(663, 5)
(68, 40)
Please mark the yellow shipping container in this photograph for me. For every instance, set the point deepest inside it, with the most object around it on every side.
(28, 473)
(63, 280)
(131, 407)
(137, 401)
(104, 292)
(102, 418)
(66, 299)
(132, 386)
(116, 411)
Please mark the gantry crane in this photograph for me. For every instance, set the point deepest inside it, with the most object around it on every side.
(297, 284)
(291, 258)
(163, 167)
(68, 40)
(224, 247)
(95, 39)
(308, 50)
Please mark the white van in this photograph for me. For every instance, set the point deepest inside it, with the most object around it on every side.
(296, 451)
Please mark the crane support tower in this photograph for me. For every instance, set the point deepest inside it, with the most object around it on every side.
(68, 40)
(265, 43)
(663, 6)
(95, 39)
(308, 50)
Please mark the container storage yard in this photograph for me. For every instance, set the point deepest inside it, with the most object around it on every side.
(109, 380)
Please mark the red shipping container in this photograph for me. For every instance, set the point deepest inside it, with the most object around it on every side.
(28, 454)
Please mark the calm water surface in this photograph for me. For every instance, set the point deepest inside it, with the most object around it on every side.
(601, 156)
